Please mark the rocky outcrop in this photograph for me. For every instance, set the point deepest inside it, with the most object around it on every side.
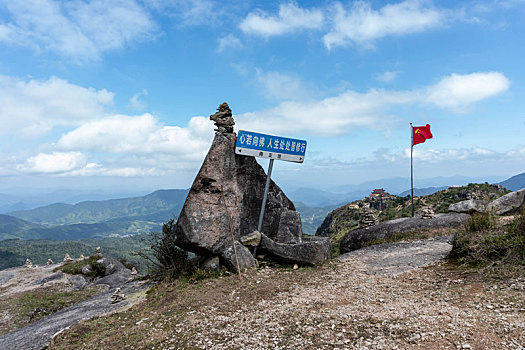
(359, 238)
(469, 206)
(225, 199)
(244, 257)
(507, 203)
(311, 251)
(228, 190)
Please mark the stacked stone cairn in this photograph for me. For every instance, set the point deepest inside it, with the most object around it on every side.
(28, 264)
(117, 296)
(82, 257)
(49, 262)
(368, 218)
(67, 258)
(99, 252)
(427, 213)
(133, 270)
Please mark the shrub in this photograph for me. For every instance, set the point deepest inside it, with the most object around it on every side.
(168, 260)
(481, 243)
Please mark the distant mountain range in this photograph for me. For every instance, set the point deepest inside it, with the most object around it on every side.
(94, 219)
(143, 214)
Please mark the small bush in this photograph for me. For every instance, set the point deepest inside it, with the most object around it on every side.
(481, 222)
(482, 244)
(168, 260)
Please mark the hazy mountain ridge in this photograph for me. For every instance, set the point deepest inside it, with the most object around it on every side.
(517, 182)
(89, 212)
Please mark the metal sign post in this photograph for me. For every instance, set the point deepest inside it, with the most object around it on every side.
(272, 147)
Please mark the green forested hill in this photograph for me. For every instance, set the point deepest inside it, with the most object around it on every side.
(160, 205)
(14, 252)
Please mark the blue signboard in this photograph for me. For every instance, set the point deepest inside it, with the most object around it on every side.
(269, 146)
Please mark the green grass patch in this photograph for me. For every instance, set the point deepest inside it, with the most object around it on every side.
(75, 267)
(482, 244)
(22, 309)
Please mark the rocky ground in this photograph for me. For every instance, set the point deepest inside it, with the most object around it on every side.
(391, 296)
(21, 287)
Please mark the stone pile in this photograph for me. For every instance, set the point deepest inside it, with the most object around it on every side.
(368, 218)
(82, 257)
(67, 258)
(49, 262)
(427, 213)
(133, 270)
(99, 252)
(28, 264)
(117, 296)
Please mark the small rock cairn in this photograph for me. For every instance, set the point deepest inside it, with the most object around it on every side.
(427, 213)
(82, 257)
(67, 258)
(368, 218)
(133, 270)
(117, 296)
(99, 252)
(28, 263)
(223, 119)
(49, 262)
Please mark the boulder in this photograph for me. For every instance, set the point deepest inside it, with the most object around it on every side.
(508, 203)
(246, 259)
(311, 251)
(226, 195)
(469, 206)
(360, 237)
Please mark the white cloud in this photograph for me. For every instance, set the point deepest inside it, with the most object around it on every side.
(281, 86)
(33, 107)
(82, 30)
(135, 103)
(290, 18)
(140, 135)
(351, 109)
(387, 77)
(56, 162)
(228, 42)
(457, 91)
(362, 25)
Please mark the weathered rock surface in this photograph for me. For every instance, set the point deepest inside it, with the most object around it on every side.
(230, 187)
(311, 251)
(246, 259)
(469, 206)
(508, 203)
(252, 240)
(358, 238)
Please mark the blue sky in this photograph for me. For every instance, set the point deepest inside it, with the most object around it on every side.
(116, 94)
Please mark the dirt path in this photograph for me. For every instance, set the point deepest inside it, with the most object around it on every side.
(375, 298)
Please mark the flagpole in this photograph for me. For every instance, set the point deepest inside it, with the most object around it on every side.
(411, 167)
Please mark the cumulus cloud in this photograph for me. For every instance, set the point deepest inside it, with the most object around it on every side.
(290, 18)
(362, 25)
(56, 162)
(33, 107)
(457, 92)
(121, 134)
(351, 109)
(81, 30)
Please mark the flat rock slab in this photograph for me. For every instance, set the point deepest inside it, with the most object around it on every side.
(508, 203)
(395, 258)
(312, 251)
(361, 237)
(37, 335)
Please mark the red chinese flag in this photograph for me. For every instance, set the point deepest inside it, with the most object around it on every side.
(420, 134)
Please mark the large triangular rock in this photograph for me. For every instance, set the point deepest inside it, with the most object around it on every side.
(228, 192)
